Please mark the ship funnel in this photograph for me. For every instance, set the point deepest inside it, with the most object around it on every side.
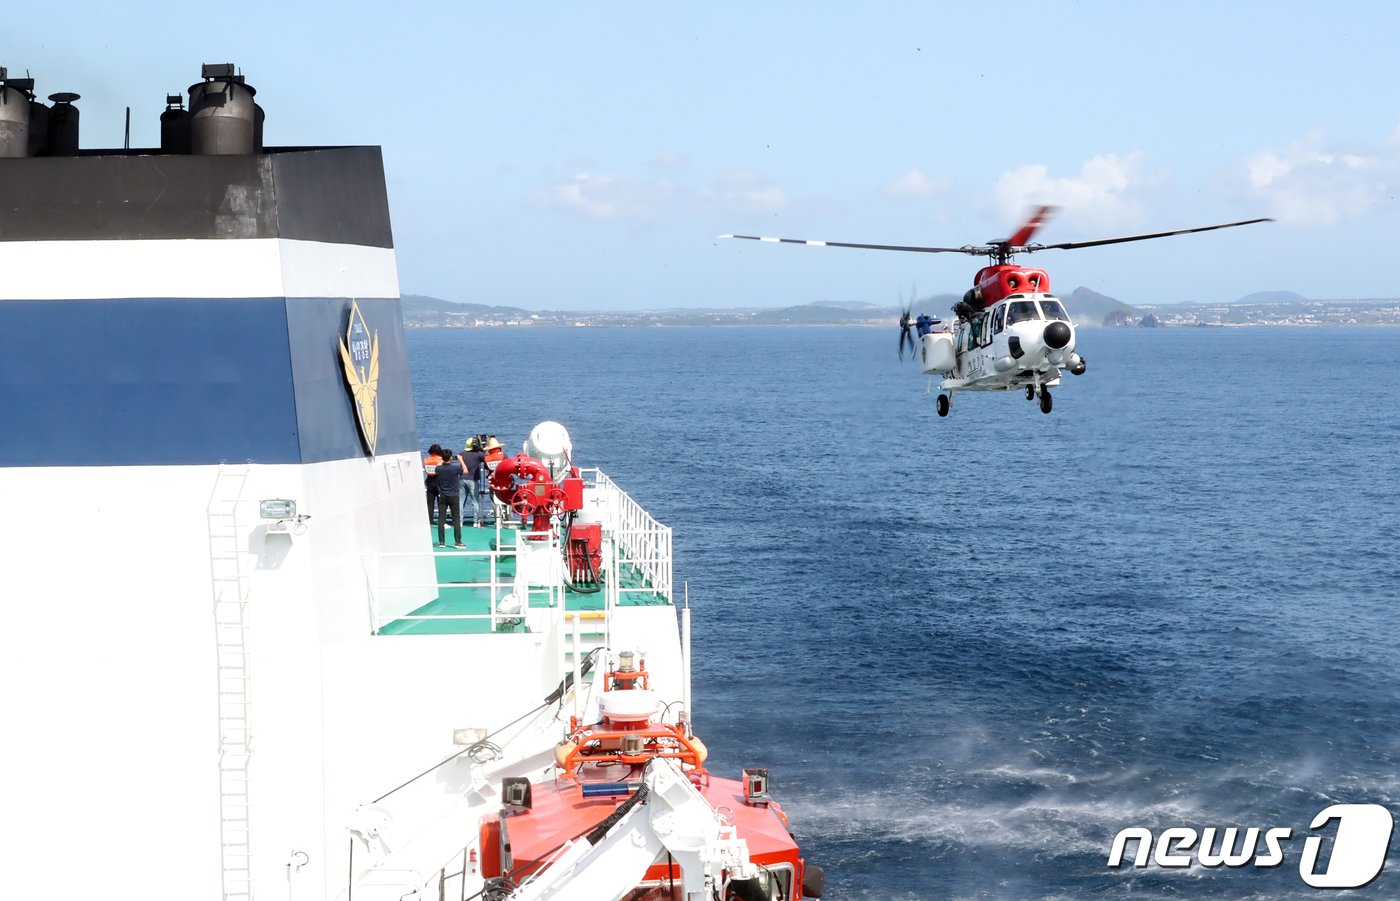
(224, 119)
(15, 97)
(63, 125)
(175, 125)
(38, 127)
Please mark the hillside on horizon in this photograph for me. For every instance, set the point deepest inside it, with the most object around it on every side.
(1086, 307)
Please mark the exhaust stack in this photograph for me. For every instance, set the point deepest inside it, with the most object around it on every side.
(15, 97)
(224, 119)
(175, 125)
(63, 125)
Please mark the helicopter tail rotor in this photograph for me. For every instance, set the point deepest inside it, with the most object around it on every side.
(906, 324)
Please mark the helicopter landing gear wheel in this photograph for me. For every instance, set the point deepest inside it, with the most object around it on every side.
(1030, 392)
(1046, 401)
(942, 403)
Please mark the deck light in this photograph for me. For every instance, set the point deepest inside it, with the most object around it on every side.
(515, 792)
(756, 786)
(279, 509)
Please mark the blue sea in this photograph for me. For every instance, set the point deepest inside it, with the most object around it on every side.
(971, 650)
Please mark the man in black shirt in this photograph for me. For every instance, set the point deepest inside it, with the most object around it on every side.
(449, 482)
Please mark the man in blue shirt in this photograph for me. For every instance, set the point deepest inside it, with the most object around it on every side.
(473, 459)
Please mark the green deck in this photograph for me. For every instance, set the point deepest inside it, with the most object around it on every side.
(457, 569)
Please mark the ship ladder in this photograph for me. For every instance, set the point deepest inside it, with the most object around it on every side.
(230, 585)
(584, 632)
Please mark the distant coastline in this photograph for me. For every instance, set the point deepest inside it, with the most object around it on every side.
(1088, 308)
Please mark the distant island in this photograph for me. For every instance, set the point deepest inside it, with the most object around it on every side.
(1086, 307)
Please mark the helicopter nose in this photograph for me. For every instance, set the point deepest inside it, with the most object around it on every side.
(1057, 334)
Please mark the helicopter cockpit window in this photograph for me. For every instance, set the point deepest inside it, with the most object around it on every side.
(1054, 310)
(1021, 311)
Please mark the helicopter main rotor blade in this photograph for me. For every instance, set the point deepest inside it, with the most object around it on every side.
(1070, 245)
(978, 251)
(1033, 224)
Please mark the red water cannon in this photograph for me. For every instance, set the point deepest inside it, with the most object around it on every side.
(524, 484)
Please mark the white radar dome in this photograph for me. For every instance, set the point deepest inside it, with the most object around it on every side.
(549, 443)
(635, 705)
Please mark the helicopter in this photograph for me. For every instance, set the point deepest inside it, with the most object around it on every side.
(1010, 333)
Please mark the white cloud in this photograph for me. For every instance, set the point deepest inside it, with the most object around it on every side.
(742, 191)
(607, 197)
(916, 184)
(668, 159)
(1306, 183)
(1103, 193)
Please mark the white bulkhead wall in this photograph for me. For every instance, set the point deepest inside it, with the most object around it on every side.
(109, 649)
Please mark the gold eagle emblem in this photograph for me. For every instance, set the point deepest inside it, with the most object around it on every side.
(359, 353)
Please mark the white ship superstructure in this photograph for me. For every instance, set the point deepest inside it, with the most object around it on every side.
(236, 666)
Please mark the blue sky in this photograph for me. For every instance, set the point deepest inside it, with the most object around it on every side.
(585, 156)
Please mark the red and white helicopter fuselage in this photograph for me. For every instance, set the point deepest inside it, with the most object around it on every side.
(1011, 333)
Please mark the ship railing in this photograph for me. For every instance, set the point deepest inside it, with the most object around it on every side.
(642, 541)
(391, 602)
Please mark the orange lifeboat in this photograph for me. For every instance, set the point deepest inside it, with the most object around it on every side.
(604, 770)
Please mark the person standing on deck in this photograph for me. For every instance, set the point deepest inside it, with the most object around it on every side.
(430, 465)
(473, 462)
(449, 483)
(494, 455)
